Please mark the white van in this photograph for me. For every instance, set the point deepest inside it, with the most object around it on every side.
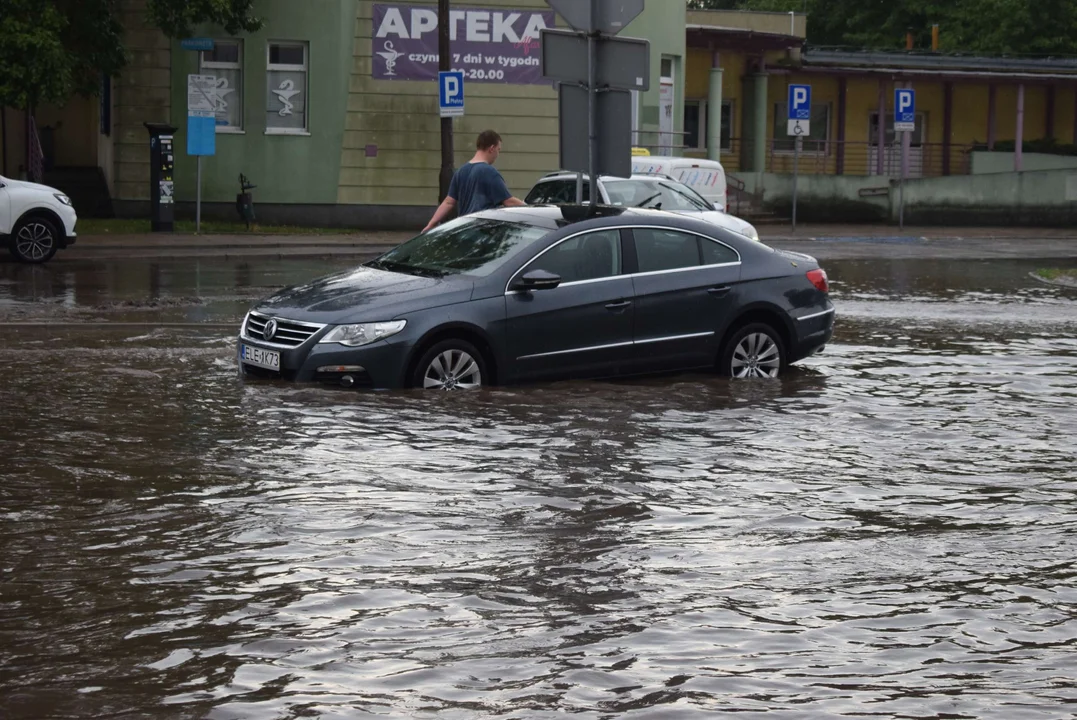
(706, 177)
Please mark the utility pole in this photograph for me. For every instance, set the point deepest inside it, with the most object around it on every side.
(444, 63)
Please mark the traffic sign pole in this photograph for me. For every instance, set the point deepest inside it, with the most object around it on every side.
(592, 149)
(904, 123)
(796, 178)
(799, 114)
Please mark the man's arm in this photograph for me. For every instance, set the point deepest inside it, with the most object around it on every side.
(444, 209)
(502, 195)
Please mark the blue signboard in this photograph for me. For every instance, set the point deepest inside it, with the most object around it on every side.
(451, 93)
(799, 109)
(904, 110)
(197, 43)
(201, 135)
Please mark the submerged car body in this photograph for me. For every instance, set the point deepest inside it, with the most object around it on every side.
(534, 293)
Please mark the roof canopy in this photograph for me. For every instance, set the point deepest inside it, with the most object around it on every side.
(713, 37)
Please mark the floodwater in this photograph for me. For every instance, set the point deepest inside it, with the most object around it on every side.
(888, 532)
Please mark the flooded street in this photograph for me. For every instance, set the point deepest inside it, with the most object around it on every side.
(890, 531)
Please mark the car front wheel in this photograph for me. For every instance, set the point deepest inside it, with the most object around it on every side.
(754, 351)
(35, 240)
(450, 365)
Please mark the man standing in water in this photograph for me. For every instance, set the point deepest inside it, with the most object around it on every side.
(477, 186)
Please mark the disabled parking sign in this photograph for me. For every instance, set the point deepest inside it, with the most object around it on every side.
(799, 110)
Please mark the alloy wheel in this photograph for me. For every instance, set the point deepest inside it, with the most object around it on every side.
(756, 355)
(452, 370)
(34, 241)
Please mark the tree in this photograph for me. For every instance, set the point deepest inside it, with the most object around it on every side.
(990, 27)
(52, 49)
(176, 17)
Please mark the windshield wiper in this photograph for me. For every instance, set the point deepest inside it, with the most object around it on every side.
(644, 202)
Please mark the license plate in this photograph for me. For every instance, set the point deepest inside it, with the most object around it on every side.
(268, 359)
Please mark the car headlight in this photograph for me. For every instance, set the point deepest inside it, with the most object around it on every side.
(64, 199)
(363, 333)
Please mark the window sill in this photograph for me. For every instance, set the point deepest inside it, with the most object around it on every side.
(287, 131)
(231, 131)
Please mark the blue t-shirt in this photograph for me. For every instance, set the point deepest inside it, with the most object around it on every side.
(476, 187)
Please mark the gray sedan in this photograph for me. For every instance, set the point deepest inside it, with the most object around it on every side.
(546, 292)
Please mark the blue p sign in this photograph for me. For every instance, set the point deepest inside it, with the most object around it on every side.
(451, 93)
(904, 109)
(800, 102)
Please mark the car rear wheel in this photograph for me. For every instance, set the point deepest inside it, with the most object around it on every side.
(754, 351)
(450, 365)
(35, 240)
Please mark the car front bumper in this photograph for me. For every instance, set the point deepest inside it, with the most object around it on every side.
(382, 365)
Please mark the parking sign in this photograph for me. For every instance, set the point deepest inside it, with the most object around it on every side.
(904, 110)
(799, 109)
(451, 93)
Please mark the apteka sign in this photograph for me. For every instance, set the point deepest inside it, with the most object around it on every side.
(488, 45)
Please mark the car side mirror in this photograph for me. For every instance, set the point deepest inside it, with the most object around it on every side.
(537, 280)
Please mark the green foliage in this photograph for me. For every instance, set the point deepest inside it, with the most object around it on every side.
(176, 18)
(36, 66)
(52, 49)
(990, 27)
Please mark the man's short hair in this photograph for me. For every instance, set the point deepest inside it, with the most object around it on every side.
(487, 139)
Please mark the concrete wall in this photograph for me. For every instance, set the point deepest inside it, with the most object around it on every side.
(662, 24)
(142, 94)
(1042, 198)
(400, 118)
(1002, 162)
(292, 169)
(1045, 198)
(820, 198)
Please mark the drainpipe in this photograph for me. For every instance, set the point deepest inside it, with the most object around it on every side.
(880, 142)
(3, 138)
(992, 100)
(1018, 154)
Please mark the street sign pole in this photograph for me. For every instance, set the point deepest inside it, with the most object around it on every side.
(592, 149)
(201, 130)
(594, 72)
(796, 177)
(799, 124)
(904, 123)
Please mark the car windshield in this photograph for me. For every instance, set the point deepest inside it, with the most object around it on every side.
(657, 194)
(472, 245)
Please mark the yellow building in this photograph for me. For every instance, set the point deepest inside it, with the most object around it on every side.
(744, 63)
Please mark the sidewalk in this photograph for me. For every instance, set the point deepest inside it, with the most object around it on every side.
(832, 241)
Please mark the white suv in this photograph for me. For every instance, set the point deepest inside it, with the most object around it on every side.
(35, 220)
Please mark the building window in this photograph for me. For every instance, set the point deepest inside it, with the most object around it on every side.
(225, 62)
(286, 101)
(697, 132)
(814, 142)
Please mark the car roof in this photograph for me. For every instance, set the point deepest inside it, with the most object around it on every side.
(604, 178)
(555, 217)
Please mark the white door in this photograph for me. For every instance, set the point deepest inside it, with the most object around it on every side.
(666, 103)
(5, 211)
(892, 148)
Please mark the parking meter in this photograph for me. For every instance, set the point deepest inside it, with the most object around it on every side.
(162, 163)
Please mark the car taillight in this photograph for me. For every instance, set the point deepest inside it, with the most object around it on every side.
(818, 279)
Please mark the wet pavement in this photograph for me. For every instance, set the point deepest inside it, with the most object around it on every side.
(890, 531)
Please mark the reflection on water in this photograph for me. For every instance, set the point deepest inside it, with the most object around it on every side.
(889, 532)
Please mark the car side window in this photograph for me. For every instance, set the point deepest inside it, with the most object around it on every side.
(715, 253)
(590, 256)
(555, 192)
(658, 250)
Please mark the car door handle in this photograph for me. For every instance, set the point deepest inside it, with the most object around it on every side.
(619, 305)
(720, 291)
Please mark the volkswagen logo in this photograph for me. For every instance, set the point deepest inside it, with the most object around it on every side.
(270, 330)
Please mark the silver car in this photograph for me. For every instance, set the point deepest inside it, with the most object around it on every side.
(656, 192)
